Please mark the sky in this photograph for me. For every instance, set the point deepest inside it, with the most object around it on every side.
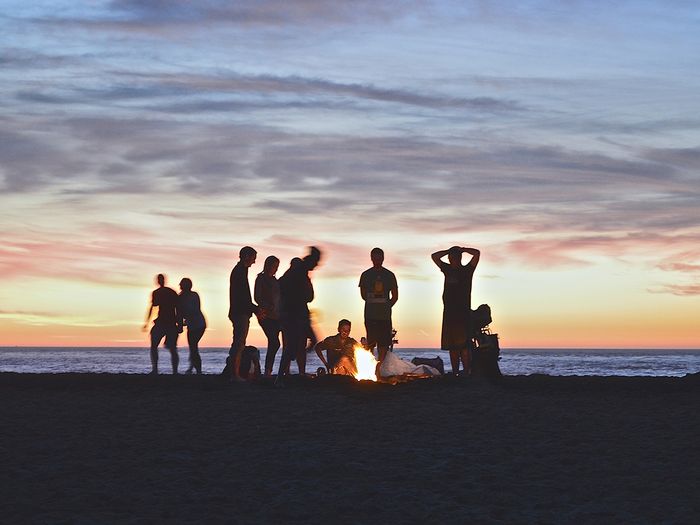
(561, 139)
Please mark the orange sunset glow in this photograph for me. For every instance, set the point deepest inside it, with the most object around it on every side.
(569, 159)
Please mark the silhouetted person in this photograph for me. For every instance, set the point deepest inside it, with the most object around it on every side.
(457, 302)
(380, 292)
(191, 313)
(296, 294)
(267, 296)
(166, 325)
(340, 351)
(241, 308)
(311, 261)
(250, 363)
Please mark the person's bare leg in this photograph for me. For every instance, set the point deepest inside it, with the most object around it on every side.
(235, 373)
(154, 358)
(382, 351)
(454, 361)
(175, 359)
(301, 360)
(466, 360)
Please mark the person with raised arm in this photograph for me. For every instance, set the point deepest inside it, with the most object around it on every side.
(297, 292)
(456, 299)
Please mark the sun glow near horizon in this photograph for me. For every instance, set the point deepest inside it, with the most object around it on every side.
(573, 168)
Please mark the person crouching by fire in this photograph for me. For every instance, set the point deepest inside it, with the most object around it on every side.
(340, 351)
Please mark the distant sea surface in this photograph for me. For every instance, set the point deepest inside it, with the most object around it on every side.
(513, 362)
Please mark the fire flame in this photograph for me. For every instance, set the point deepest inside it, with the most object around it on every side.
(366, 365)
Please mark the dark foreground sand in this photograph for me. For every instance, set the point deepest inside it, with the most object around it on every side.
(134, 449)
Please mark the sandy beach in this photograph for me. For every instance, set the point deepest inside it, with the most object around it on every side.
(99, 448)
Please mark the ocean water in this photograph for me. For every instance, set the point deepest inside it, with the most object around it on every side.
(560, 362)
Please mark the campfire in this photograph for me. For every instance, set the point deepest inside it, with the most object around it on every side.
(366, 365)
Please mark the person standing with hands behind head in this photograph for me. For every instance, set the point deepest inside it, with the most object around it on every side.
(241, 308)
(457, 304)
(380, 292)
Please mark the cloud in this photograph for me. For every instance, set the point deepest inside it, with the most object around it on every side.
(681, 290)
(682, 158)
(274, 13)
(183, 93)
(447, 184)
(32, 318)
(549, 250)
(161, 18)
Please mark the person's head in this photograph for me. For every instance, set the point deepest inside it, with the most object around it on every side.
(271, 266)
(313, 258)
(160, 279)
(248, 255)
(454, 255)
(344, 328)
(377, 256)
(186, 284)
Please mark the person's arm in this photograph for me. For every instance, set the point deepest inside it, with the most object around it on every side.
(363, 288)
(476, 254)
(259, 290)
(393, 295)
(437, 257)
(393, 291)
(319, 352)
(148, 318)
(149, 312)
(179, 318)
(309, 289)
(231, 293)
(262, 294)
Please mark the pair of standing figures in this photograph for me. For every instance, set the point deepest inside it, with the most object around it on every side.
(174, 312)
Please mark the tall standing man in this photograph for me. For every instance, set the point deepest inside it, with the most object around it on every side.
(457, 330)
(380, 292)
(167, 324)
(241, 308)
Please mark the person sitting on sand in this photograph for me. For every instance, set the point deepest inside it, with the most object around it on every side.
(168, 323)
(191, 312)
(456, 298)
(340, 349)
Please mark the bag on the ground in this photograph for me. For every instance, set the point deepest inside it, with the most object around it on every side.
(486, 355)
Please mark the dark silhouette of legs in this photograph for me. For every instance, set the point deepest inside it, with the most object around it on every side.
(193, 337)
(241, 325)
(271, 327)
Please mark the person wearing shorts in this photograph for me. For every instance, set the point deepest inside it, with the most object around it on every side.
(166, 325)
(379, 290)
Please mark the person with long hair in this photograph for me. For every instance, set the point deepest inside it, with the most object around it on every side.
(267, 296)
(191, 312)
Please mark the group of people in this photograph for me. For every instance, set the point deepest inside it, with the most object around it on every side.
(281, 308)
